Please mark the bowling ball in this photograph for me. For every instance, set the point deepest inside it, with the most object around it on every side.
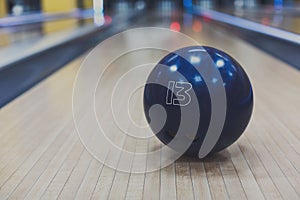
(177, 75)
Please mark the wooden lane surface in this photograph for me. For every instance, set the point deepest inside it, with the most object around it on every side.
(41, 156)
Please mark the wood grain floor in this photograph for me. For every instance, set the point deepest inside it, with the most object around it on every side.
(41, 156)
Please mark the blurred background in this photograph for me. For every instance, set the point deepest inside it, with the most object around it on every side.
(24, 7)
(36, 31)
(54, 15)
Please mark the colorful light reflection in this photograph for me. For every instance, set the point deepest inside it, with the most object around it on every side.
(175, 26)
(197, 26)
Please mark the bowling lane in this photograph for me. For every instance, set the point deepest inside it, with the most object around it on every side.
(33, 28)
(286, 18)
(41, 155)
(24, 40)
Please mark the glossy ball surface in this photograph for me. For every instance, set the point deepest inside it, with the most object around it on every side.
(237, 87)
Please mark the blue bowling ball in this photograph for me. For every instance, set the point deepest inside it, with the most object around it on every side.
(178, 74)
